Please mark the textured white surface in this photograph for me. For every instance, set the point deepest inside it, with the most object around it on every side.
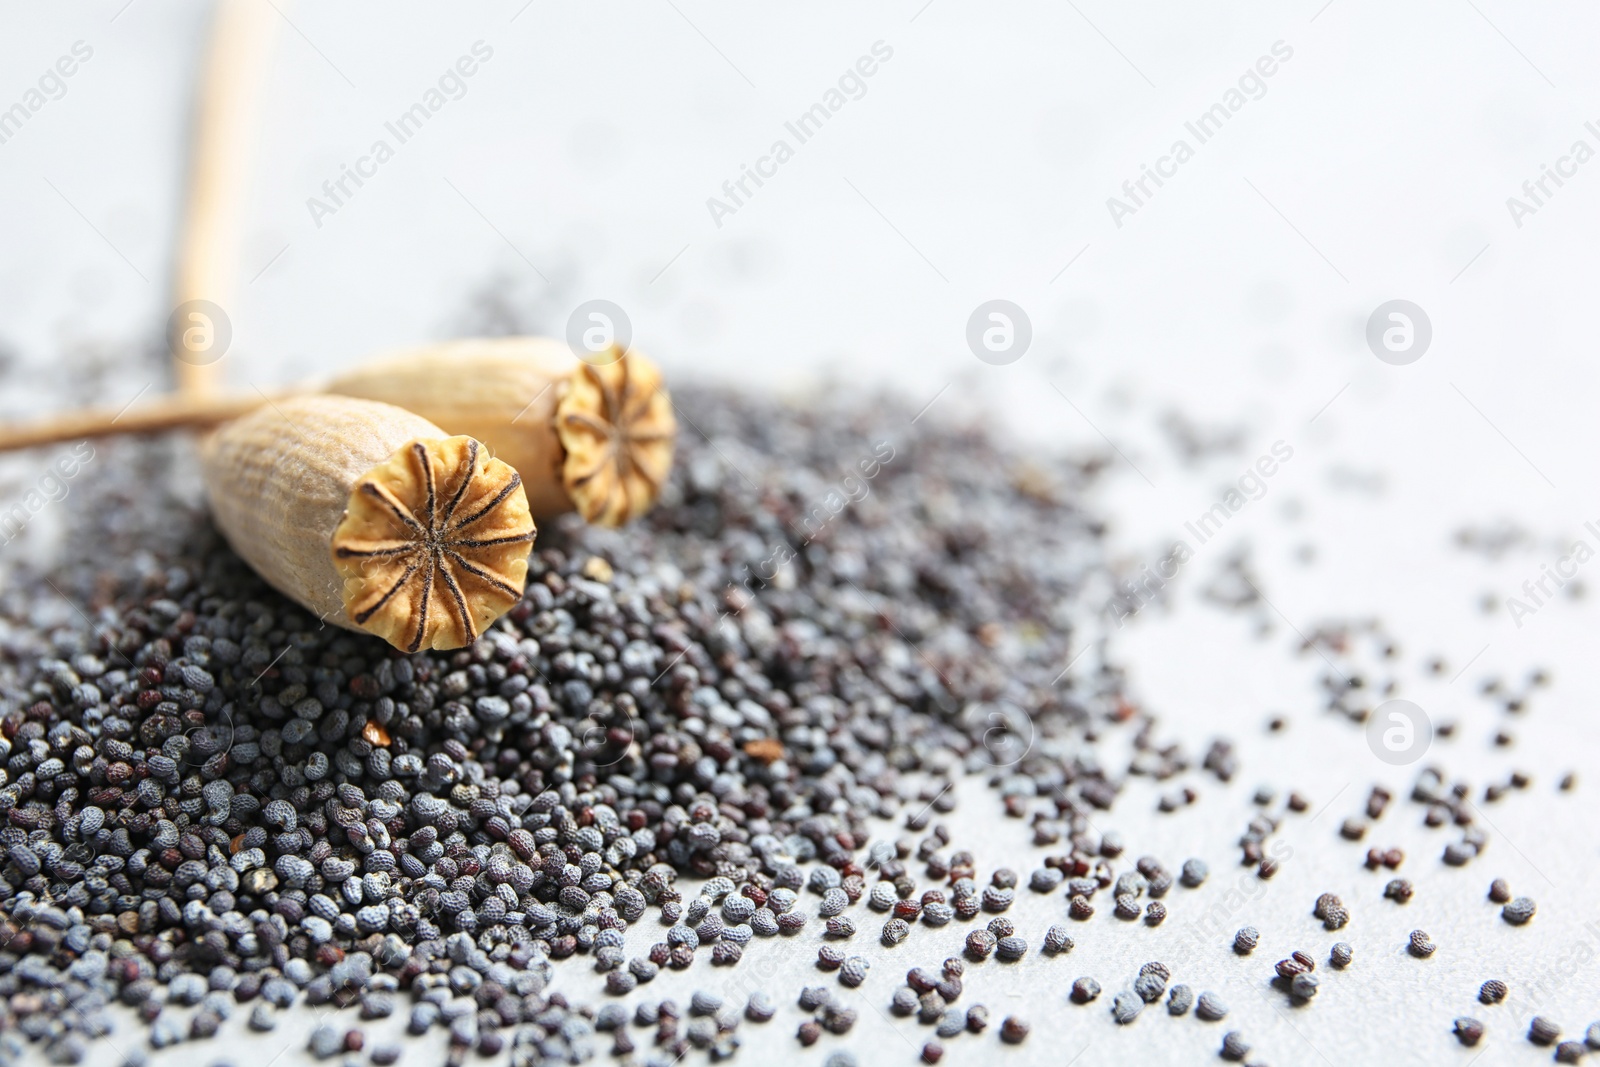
(977, 165)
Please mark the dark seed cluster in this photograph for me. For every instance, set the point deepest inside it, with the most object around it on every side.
(207, 791)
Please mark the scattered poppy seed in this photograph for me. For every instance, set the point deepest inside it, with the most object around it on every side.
(1154, 913)
(1194, 872)
(980, 943)
(1084, 990)
(854, 971)
(1127, 907)
(1234, 1046)
(1499, 891)
(1056, 940)
(1080, 908)
(1341, 954)
(1245, 941)
(1570, 1051)
(894, 932)
(1210, 1007)
(1543, 1030)
(1125, 1007)
(1013, 1031)
(1303, 986)
(1591, 1036)
(1179, 1000)
(1420, 944)
(1336, 918)
(977, 1019)
(1398, 890)
(1519, 911)
(1468, 1031)
(759, 1008)
(1493, 991)
(1149, 987)
(1011, 947)
(932, 1052)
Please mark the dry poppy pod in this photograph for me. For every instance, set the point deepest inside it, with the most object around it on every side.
(590, 436)
(372, 517)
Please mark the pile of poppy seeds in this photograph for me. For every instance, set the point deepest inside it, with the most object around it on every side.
(213, 805)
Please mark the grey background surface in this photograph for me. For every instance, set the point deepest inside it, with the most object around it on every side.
(977, 165)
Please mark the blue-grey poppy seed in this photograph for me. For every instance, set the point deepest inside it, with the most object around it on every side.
(1210, 1007)
(1519, 911)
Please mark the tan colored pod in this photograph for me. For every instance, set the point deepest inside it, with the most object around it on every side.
(595, 437)
(372, 517)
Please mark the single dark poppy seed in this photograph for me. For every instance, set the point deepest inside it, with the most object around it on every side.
(894, 932)
(808, 1032)
(1125, 1007)
(1570, 1051)
(1468, 1031)
(1080, 908)
(977, 1019)
(1324, 902)
(829, 957)
(904, 1001)
(1127, 907)
(1519, 911)
(1499, 891)
(1084, 990)
(1420, 944)
(854, 971)
(1179, 1000)
(1056, 940)
(1011, 948)
(1591, 1036)
(1336, 918)
(980, 943)
(1341, 954)
(1398, 890)
(1013, 1031)
(1245, 941)
(1303, 986)
(1289, 968)
(1493, 991)
(1234, 1046)
(1543, 1030)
